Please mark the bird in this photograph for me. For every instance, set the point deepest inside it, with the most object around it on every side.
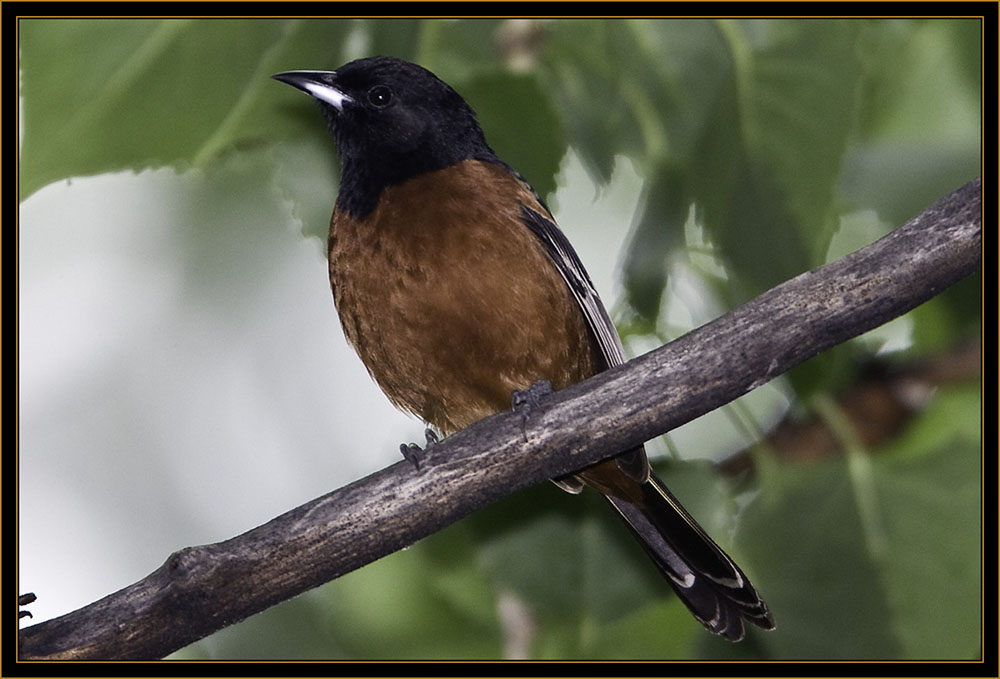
(457, 289)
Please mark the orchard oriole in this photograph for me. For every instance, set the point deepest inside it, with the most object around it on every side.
(457, 289)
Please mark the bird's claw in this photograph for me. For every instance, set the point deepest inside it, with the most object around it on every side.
(413, 453)
(24, 600)
(525, 401)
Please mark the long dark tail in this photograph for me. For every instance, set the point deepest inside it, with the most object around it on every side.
(704, 577)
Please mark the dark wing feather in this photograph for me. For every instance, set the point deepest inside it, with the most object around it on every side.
(634, 462)
(571, 269)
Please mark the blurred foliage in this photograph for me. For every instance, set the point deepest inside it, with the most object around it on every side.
(766, 147)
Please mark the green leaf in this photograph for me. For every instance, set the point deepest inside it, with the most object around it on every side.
(920, 123)
(902, 583)
(295, 629)
(152, 93)
(411, 605)
(396, 38)
(112, 110)
(806, 552)
(520, 124)
(764, 180)
(456, 50)
(930, 490)
(659, 231)
(655, 631)
(585, 64)
(749, 121)
(953, 317)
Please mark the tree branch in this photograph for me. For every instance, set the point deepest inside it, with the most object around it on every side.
(201, 589)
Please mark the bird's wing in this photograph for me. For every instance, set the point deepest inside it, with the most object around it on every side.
(571, 268)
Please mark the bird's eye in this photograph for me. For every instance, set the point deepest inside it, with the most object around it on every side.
(380, 96)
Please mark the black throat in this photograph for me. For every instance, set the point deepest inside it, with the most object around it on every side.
(361, 183)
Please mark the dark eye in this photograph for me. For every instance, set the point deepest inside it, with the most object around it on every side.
(380, 96)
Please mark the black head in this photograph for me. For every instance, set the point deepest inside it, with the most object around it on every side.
(391, 120)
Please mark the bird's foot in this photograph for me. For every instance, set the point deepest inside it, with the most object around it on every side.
(526, 401)
(24, 600)
(413, 453)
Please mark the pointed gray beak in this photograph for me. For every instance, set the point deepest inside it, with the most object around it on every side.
(317, 84)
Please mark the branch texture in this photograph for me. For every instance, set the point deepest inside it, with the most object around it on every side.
(201, 589)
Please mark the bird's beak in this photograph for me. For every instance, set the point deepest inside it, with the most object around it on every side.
(318, 84)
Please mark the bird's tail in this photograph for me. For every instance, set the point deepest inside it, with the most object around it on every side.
(709, 583)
